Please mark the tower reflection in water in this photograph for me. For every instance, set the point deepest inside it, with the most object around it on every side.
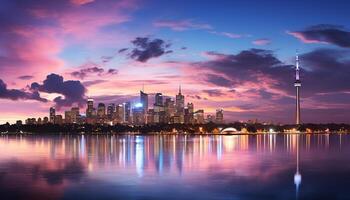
(212, 160)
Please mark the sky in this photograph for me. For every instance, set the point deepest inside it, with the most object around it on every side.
(235, 55)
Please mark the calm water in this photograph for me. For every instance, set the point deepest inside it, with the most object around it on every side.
(175, 167)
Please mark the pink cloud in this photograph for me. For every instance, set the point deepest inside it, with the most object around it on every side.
(81, 2)
(261, 42)
(302, 37)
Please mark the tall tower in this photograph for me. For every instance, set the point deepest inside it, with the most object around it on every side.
(297, 85)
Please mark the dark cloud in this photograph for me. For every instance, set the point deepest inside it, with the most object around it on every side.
(248, 66)
(73, 91)
(26, 77)
(146, 48)
(82, 73)
(218, 80)
(106, 59)
(122, 50)
(214, 92)
(15, 94)
(323, 70)
(332, 34)
(197, 97)
(92, 68)
(112, 71)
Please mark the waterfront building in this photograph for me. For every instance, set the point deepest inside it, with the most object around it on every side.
(90, 110)
(138, 116)
(144, 101)
(75, 114)
(110, 111)
(189, 113)
(58, 119)
(180, 106)
(219, 116)
(169, 108)
(199, 117)
(52, 114)
(210, 118)
(118, 114)
(127, 109)
(45, 120)
(68, 117)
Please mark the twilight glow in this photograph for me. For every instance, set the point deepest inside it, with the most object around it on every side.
(238, 56)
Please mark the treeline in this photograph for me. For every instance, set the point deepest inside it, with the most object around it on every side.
(179, 128)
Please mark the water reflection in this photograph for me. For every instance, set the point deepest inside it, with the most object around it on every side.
(174, 166)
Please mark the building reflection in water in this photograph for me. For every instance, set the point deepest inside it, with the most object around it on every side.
(131, 157)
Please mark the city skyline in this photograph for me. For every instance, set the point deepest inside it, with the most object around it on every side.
(165, 110)
(60, 53)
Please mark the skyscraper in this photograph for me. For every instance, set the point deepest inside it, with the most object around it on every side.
(180, 105)
(75, 114)
(101, 110)
(297, 85)
(127, 109)
(144, 101)
(110, 110)
(219, 117)
(52, 114)
(158, 99)
(90, 108)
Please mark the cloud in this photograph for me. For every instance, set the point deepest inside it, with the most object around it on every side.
(213, 92)
(122, 50)
(181, 25)
(261, 42)
(25, 77)
(146, 48)
(82, 73)
(73, 91)
(218, 80)
(324, 33)
(15, 94)
(46, 27)
(81, 2)
(229, 35)
(91, 68)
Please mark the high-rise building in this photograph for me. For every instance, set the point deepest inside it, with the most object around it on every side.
(210, 118)
(219, 116)
(58, 119)
(110, 111)
(169, 108)
(297, 85)
(127, 109)
(180, 105)
(144, 101)
(101, 110)
(118, 114)
(52, 114)
(75, 114)
(158, 99)
(90, 108)
(138, 116)
(189, 113)
(68, 117)
(199, 117)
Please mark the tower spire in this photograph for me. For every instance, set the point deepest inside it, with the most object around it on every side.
(180, 88)
(297, 85)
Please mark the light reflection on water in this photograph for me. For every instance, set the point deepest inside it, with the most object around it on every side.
(175, 167)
